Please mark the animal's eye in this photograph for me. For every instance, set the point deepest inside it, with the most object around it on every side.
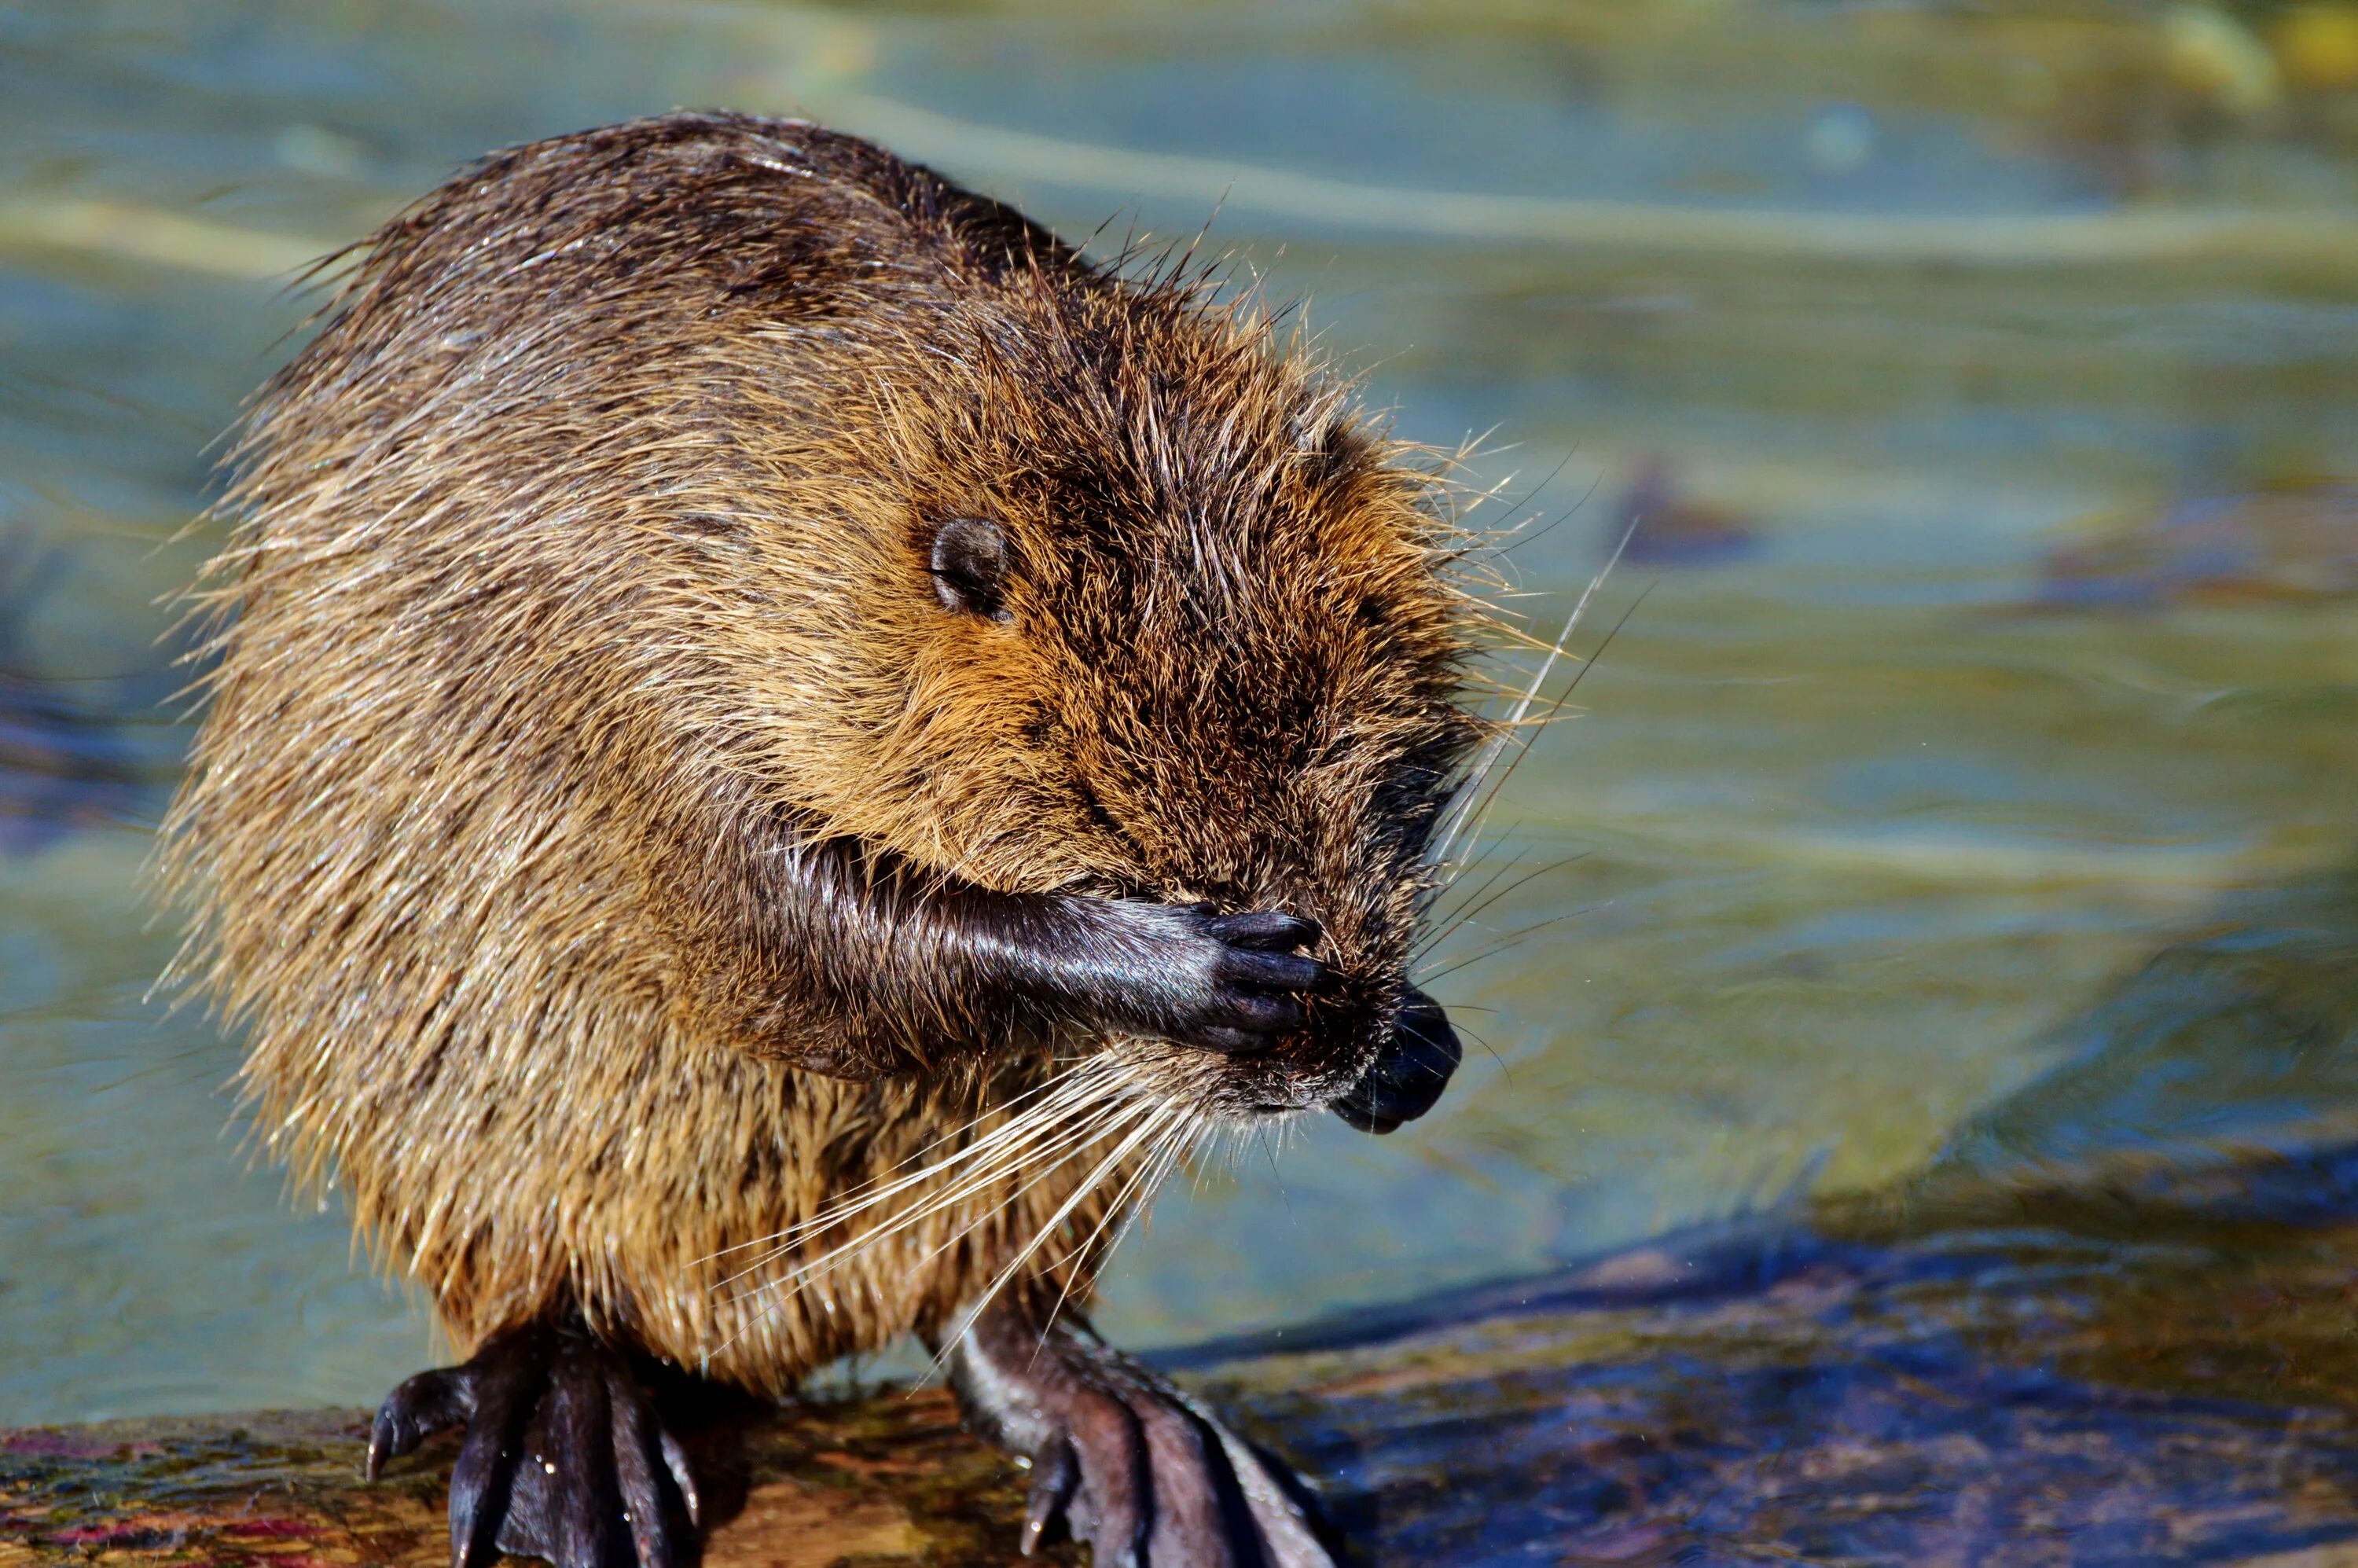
(969, 567)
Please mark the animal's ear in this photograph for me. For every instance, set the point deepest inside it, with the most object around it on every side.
(1328, 446)
(969, 567)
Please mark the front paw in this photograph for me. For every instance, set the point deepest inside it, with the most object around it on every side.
(1231, 983)
(1123, 1460)
(563, 1456)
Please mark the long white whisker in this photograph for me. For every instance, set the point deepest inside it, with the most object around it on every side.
(1087, 1135)
(1019, 1140)
(1050, 1130)
(1080, 1134)
(1143, 1180)
(1077, 1092)
(1146, 1184)
(1490, 798)
(1159, 1121)
(1461, 805)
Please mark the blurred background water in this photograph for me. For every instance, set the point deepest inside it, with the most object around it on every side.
(1982, 379)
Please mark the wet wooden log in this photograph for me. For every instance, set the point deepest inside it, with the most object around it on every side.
(2080, 1383)
(887, 1480)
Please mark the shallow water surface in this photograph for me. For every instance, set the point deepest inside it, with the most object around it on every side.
(1978, 727)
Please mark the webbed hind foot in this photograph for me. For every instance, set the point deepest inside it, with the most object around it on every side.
(563, 1459)
(1126, 1461)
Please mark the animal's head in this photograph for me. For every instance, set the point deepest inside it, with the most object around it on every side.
(632, 471)
(1117, 596)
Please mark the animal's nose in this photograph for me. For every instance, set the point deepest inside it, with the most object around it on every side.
(1408, 1074)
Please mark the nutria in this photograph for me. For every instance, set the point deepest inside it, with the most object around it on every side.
(780, 744)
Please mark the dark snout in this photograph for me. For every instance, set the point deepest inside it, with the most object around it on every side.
(1407, 1076)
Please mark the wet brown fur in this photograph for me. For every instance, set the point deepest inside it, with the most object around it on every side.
(583, 548)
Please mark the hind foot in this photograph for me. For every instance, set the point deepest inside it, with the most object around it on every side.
(1124, 1460)
(563, 1456)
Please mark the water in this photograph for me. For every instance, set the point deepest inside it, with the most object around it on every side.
(1987, 381)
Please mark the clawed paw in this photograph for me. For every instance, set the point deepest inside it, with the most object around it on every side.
(1243, 980)
(1258, 980)
(563, 1456)
(1125, 1461)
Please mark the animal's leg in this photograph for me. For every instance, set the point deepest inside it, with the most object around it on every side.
(1142, 1472)
(563, 1456)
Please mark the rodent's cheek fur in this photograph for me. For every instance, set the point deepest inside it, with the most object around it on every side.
(928, 743)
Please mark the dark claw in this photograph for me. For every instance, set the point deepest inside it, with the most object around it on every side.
(1223, 982)
(1272, 971)
(426, 1404)
(1263, 1014)
(563, 1459)
(1260, 983)
(1133, 1467)
(508, 1374)
(675, 1461)
(638, 1452)
(1055, 1476)
(1264, 930)
(573, 1431)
